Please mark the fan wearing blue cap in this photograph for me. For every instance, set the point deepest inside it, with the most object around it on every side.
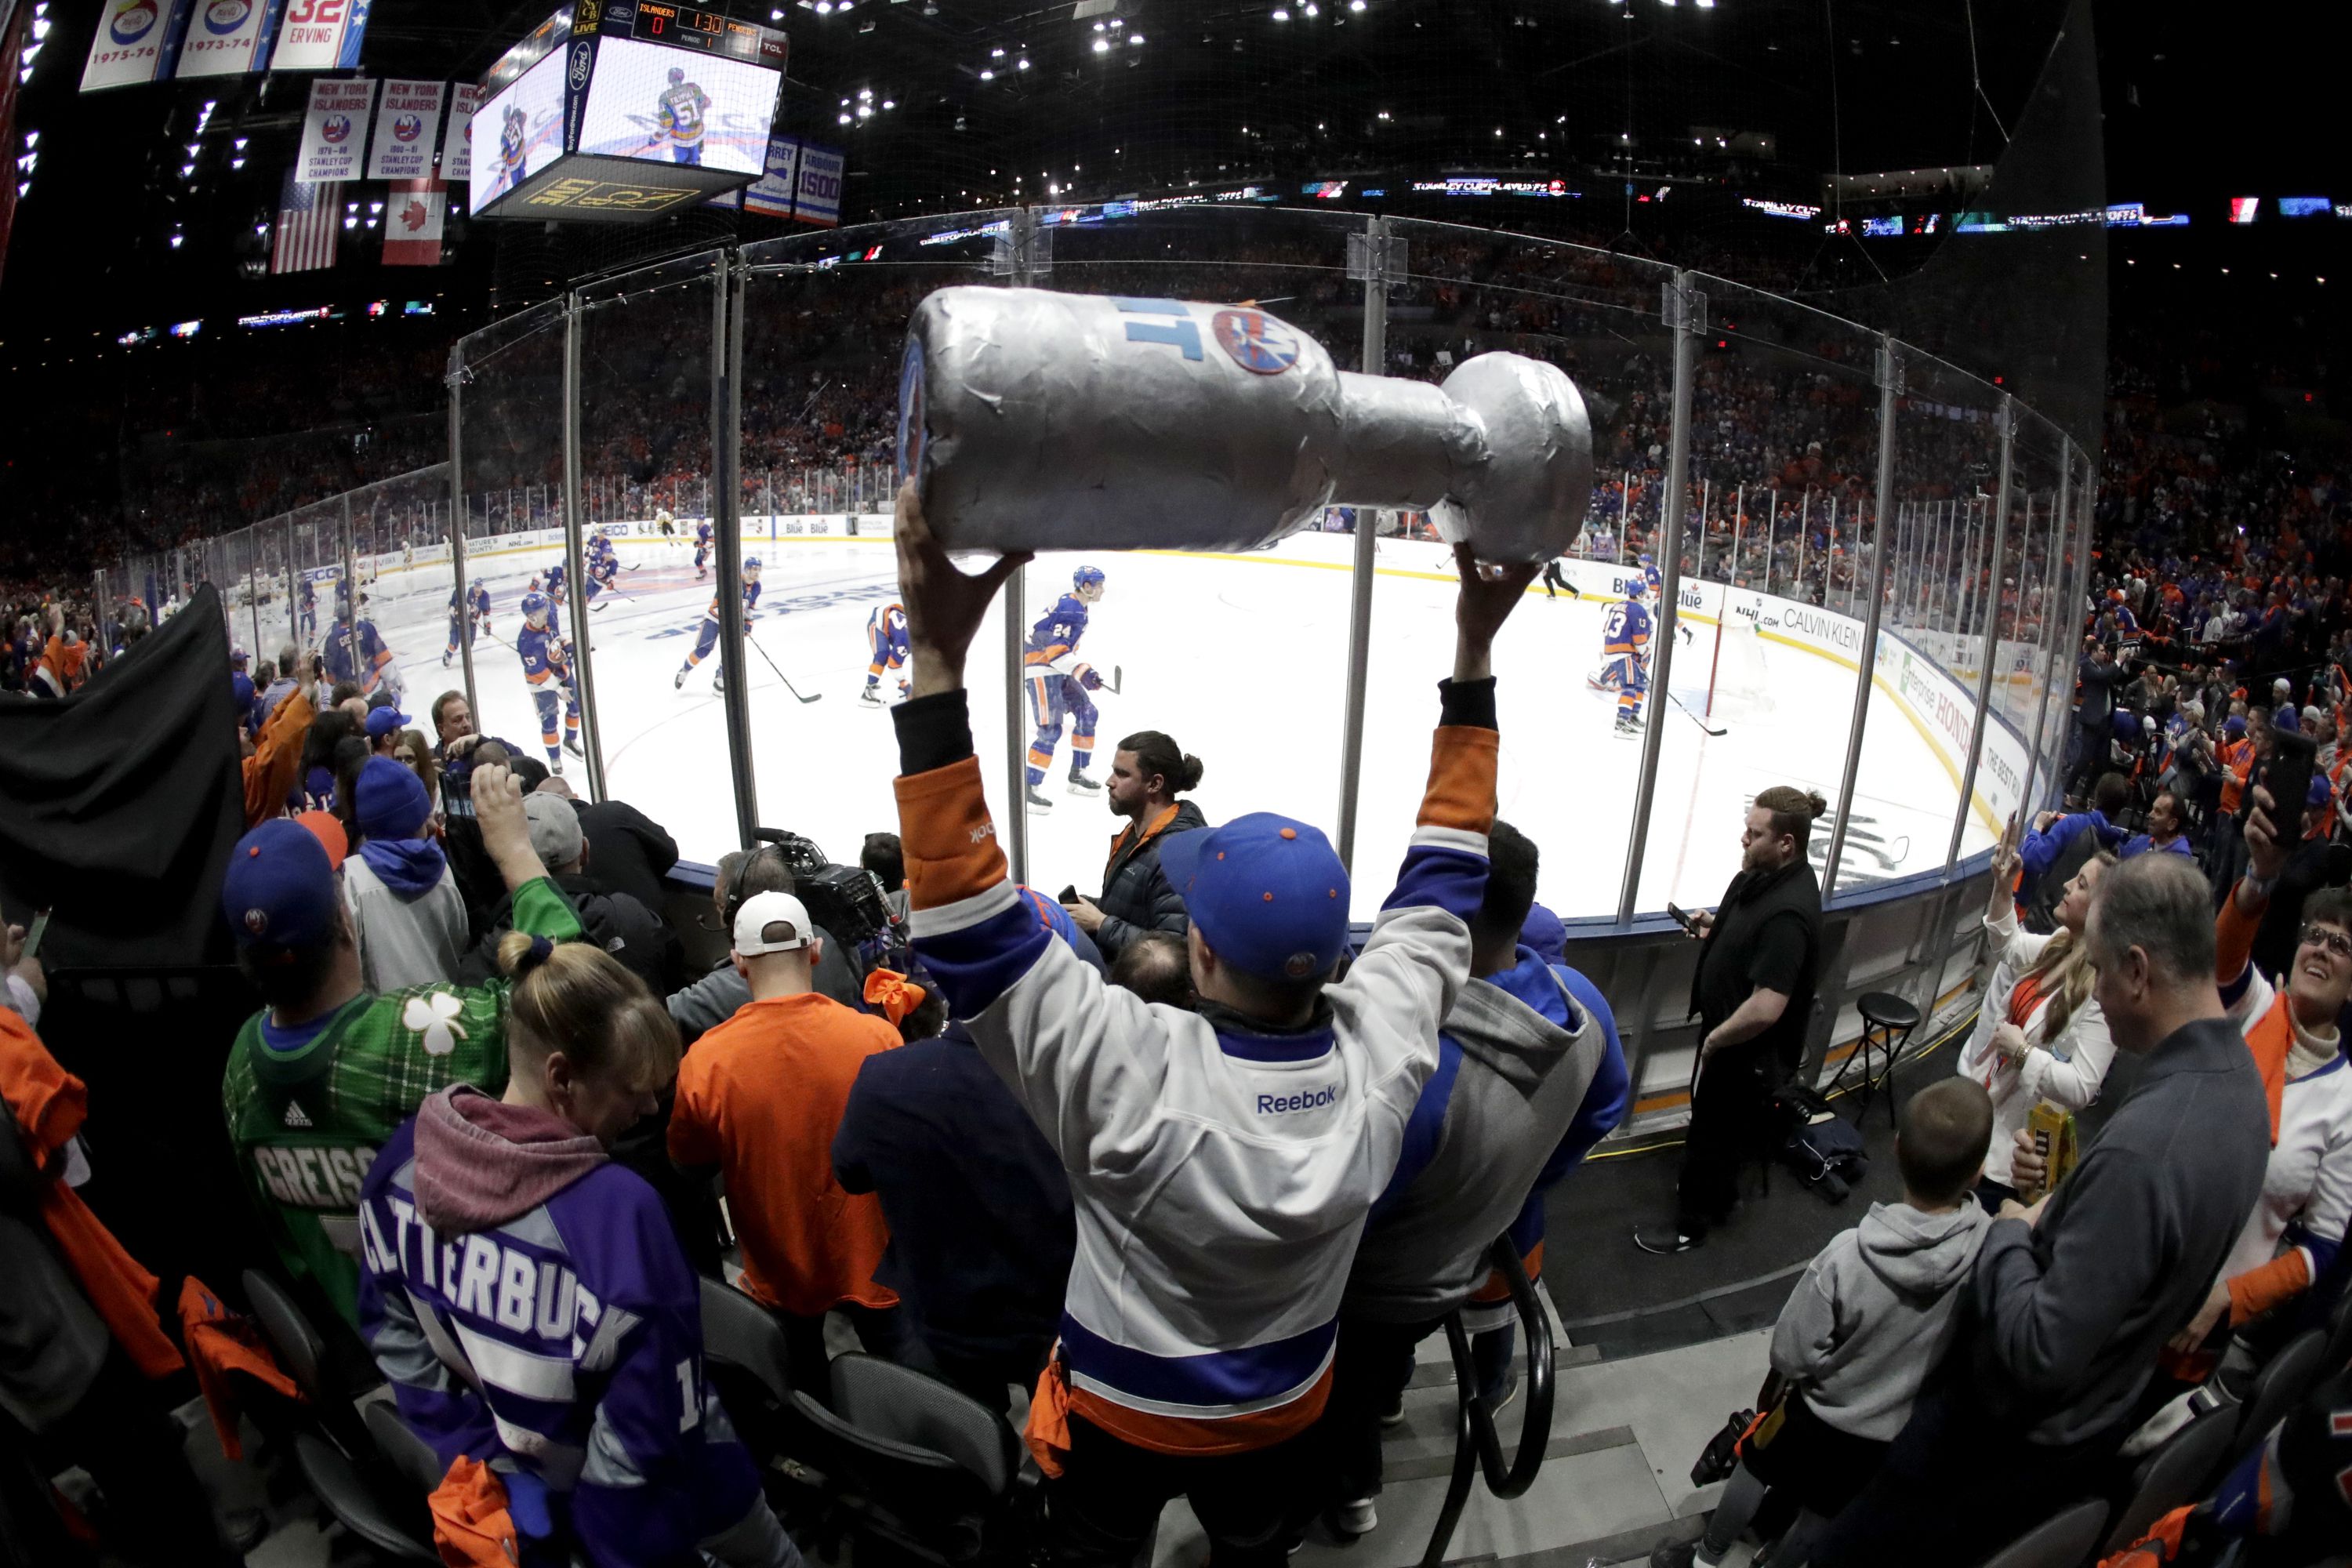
(1222, 1163)
(324, 1073)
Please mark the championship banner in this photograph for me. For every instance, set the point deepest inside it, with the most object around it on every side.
(322, 34)
(412, 228)
(773, 192)
(457, 145)
(136, 42)
(229, 37)
(407, 132)
(334, 131)
(816, 196)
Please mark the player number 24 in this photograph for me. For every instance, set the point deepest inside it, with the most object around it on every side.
(320, 13)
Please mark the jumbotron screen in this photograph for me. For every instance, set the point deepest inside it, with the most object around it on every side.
(645, 100)
(518, 133)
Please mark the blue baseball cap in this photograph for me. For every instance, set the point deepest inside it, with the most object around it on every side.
(279, 890)
(384, 718)
(1268, 894)
(1545, 933)
(2320, 792)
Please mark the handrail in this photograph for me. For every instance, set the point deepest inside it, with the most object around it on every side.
(1476, 1446)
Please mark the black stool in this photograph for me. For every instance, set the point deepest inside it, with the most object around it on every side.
(1887, 1025)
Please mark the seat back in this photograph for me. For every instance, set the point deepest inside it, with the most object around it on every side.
(2181, 1471)
(404, 1454)
(2339, 1335)
(918, 1500)
(2287, 1378)
(903, 1406)
(300, 1349)
(390, 1533)
(2062, 1541)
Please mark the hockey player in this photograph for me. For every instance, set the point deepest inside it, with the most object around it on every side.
(477, 618)
(1625, 648)
(547, 665)
(601, 567)
(309, 610)
(680, 118)
(707, 637)
(886, 638)
(356, 653)
(1058, 685)
(701, 549)
(664, 523)
(514, 137)
(555, 589)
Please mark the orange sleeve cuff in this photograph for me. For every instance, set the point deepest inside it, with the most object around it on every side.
(2233, 938)
(1460, 793)
(948, 837)
(276, 756)
(2257, 1290)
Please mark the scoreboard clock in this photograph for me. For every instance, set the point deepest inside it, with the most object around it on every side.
(620, 112)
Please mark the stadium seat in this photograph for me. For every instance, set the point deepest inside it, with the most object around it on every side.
(899, 1402)
(2181, 1471)
(2287, 1378)
(404, 1453)
(2062, 1541)
(328, 1378)
(894, 1488)
(744, 1351)
(350, 1501)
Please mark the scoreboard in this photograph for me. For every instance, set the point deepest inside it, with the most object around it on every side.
(619, 110)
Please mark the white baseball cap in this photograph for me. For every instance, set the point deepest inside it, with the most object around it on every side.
(771, 922)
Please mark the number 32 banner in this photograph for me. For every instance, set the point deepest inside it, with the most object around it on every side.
(322, 34)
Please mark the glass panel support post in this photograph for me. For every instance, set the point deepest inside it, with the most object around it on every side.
(2005, 427)
(1890, 387)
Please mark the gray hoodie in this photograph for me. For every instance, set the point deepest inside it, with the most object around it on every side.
(1874, 1313)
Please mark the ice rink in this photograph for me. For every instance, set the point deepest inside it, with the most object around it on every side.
(1242, 659)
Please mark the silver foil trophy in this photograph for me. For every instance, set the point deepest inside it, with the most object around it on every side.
(1034, 420)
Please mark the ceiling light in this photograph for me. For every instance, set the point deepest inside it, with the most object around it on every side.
(1134, 38)
(866, 92)
(865, 111)
(1023, 62)
(1102, 46)
(1355, 4)
(889, 104)
(845, 120)
(996, 54)
(1310, 9)
(1280, 15)
(1384, 114)
(987, 75)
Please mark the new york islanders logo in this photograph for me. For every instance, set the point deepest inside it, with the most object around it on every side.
(132, 22)
(1256, 341)
(335, 129)
(407, 128)
(223, 17)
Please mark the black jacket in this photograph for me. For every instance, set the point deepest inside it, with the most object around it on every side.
(641, 940)
(2096, 709)
(1768, 934)
(1136, 896)
(628, 852)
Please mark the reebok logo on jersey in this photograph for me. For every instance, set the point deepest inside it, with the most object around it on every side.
(294, 1117)
(1306, 1099)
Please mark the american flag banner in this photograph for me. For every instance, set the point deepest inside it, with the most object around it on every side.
(308, 218)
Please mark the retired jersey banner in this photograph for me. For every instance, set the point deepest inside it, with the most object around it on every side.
(137, 41)
(772, 193)
(816, 196)
(407, 130)
(457, 145)
(229, 37)
(411, 225)
(321, 36)
(335, 131)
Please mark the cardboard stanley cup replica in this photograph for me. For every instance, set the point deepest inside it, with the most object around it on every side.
(1033, 420)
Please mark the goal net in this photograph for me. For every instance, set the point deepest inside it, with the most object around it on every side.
(1719, 675)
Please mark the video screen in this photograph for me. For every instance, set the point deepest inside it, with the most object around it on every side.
(670, 106)
(518, 133)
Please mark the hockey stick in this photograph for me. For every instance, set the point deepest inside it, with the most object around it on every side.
(1708, 725)
(1117, 674)
(750, 642)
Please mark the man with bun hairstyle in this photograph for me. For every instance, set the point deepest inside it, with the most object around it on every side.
(325, 1072)
(1753, 993)
(1221, 1162)
(1148, 772)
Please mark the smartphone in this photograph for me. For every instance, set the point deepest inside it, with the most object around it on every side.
(1684, 917)
(2287, 775)
(1069, 895)
(40, 928)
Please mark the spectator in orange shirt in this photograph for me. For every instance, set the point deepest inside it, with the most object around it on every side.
(761, 1097)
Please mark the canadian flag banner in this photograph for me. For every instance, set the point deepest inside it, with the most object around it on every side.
(412, 236)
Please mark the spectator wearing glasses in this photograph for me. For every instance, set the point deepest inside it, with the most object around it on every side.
(2291, 1022)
